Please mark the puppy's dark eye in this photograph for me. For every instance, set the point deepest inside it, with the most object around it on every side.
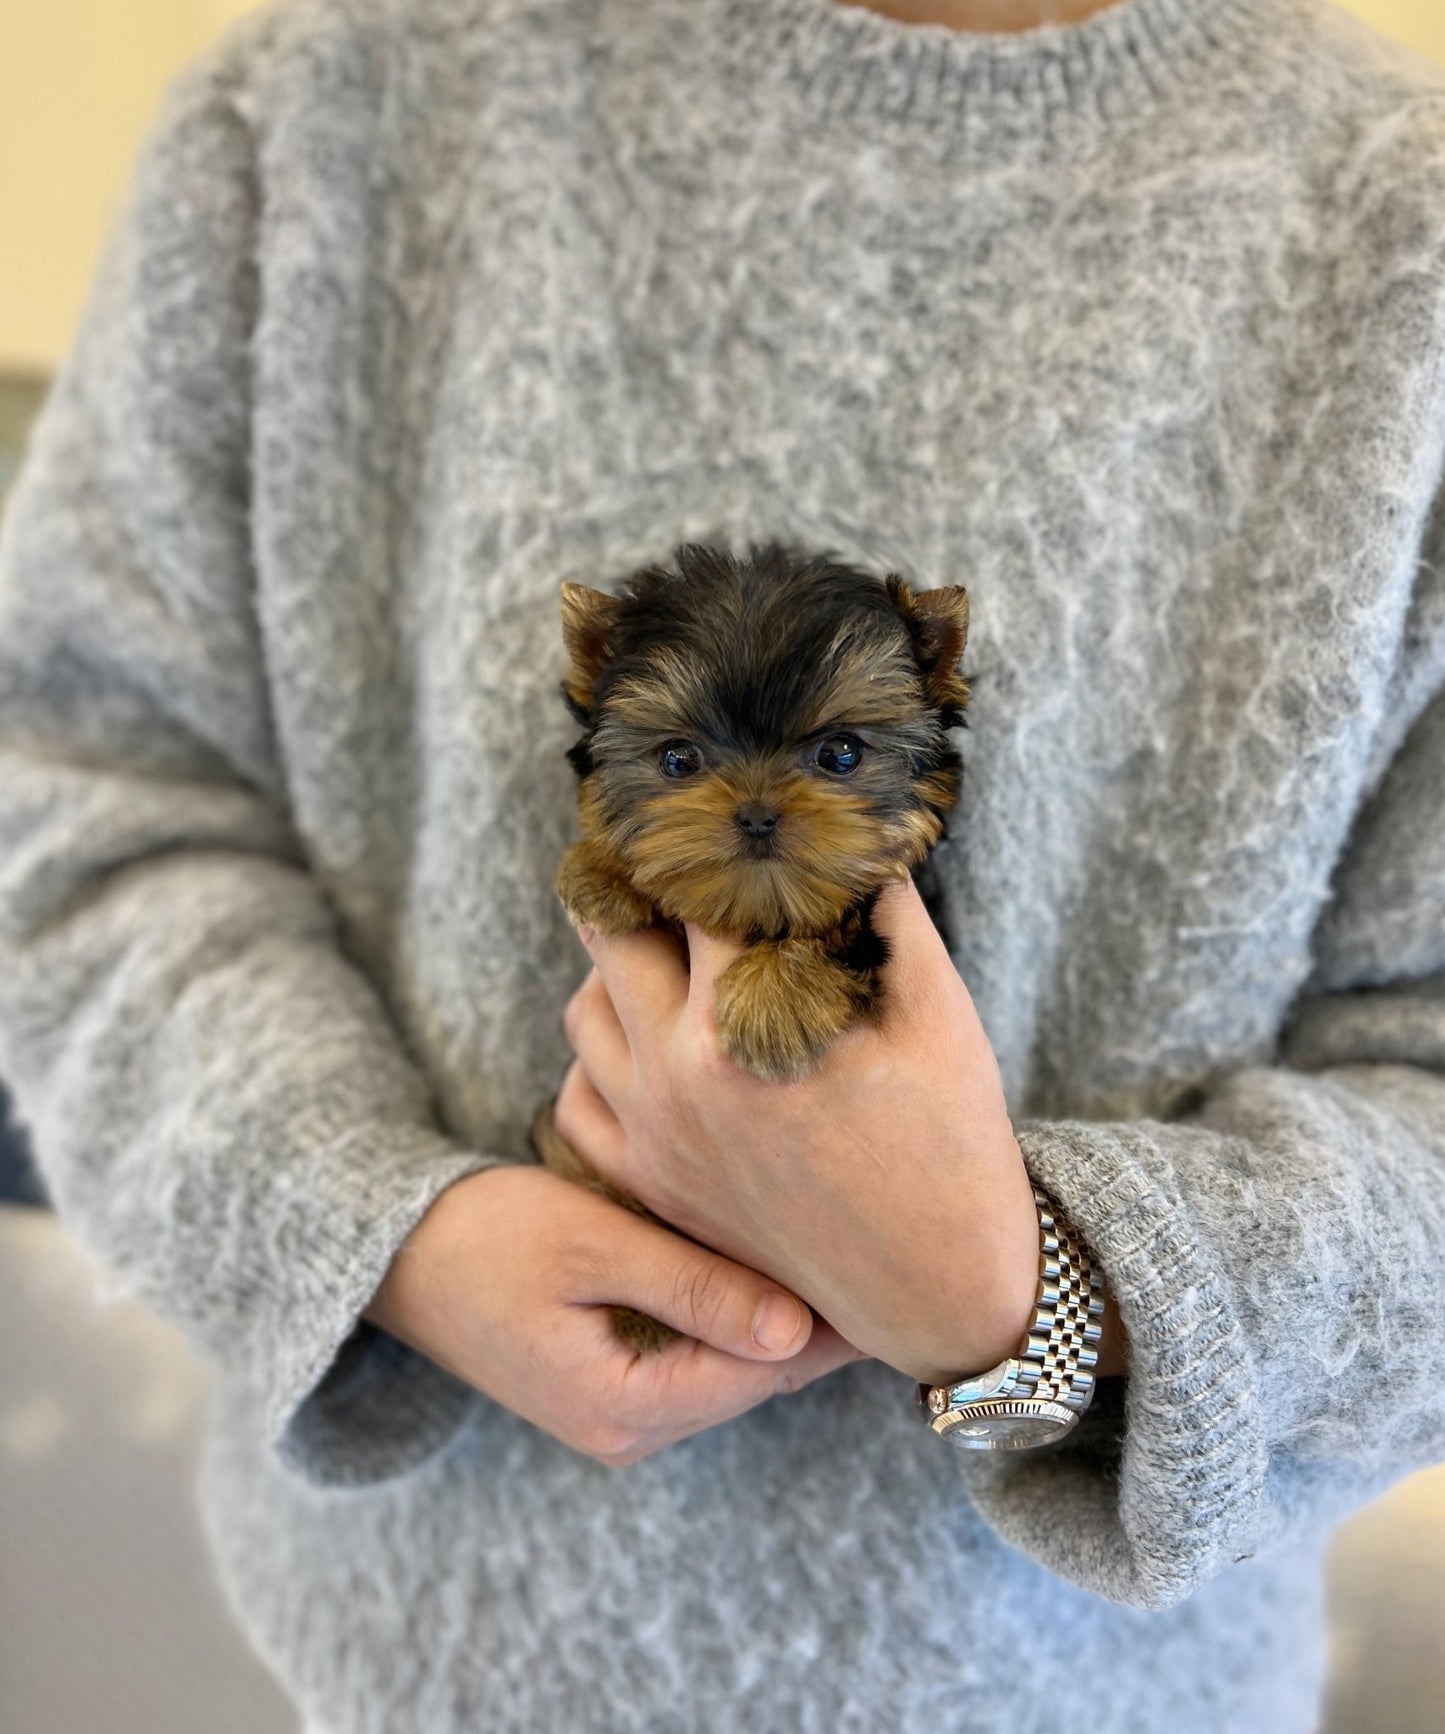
(678, 759)
(838, 755)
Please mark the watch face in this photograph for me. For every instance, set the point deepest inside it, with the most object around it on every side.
(1016, 1425)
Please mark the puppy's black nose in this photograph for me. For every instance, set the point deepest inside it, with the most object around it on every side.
(757, 818)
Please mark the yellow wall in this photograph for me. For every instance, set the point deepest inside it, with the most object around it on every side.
(1420, 23)
(80, 78)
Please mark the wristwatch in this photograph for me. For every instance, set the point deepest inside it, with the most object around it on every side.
(1038, 1394)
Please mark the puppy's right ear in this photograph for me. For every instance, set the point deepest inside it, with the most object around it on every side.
(588, 617)
(937, 623)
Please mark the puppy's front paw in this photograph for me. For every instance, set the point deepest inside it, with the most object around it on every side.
(642, 1332)
(593, 891)
(781, 1004)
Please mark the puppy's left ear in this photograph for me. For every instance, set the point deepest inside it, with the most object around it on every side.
(938, 625)
(588, 617)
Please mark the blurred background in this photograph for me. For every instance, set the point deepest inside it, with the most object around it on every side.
(109, 1619)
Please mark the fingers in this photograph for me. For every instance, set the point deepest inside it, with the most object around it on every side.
(700, 1293)
(645, 977)
(589, 1125)
(708, 956)
(694, 1386)
(598, 1039)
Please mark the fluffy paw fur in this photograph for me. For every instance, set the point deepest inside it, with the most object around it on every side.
(641, 1332)
(592, 890)
(782, 1003)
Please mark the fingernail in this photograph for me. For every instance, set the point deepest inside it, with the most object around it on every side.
(777, 1323)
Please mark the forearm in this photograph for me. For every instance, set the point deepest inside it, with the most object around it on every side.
(1270, 1268)
(218, 1100)
(221, 1110)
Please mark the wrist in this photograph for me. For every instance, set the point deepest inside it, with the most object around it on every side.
(1035, 1395)
(412, 1292)
(1000, 1323)
(990, 1319)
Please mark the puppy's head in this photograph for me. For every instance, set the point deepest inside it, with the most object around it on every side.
(766, 735)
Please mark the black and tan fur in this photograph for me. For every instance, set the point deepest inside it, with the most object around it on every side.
(744, 666)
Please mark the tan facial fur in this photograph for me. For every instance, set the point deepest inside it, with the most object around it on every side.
(687, 855)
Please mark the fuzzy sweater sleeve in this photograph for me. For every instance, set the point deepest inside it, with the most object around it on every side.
(226, 1117)
(1278, 1253)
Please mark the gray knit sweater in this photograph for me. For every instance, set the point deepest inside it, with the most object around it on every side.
(420, 307)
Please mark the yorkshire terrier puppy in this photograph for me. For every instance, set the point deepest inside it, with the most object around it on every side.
(765, 745)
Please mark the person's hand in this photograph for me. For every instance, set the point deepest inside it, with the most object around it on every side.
(886, 1188)
(505, 1282)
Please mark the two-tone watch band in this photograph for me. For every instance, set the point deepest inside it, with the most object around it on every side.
(1039, 1394)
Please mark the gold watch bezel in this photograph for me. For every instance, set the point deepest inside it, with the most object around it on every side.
(994, 1424)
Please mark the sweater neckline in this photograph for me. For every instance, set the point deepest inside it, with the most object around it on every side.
(987, 94)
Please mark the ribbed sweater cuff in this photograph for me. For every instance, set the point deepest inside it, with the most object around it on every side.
(1183, 1494)
(347, 1404)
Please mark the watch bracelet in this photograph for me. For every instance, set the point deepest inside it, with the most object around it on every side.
(1056, 1360)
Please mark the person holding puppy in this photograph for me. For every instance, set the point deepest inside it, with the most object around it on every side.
(1128, 318)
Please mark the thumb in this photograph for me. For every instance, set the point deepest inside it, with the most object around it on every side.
(704, 1295)
(708, 955)
(918, 959)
